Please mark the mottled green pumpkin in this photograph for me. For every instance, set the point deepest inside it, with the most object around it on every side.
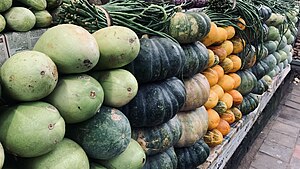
(248, 57)
(248, 82)
(221, 107)
(249, 104)
(261, 87)
(165, 160)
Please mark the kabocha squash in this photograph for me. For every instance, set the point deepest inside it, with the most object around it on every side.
(226, 82)
(209, 39)
(211, 58)
(212, 76)
(213, 138)
(230, 31)
(221, 107)
(219, 70)
(188, 27)
(223, 127)
(261, 87)
(213, 119)
(228, 46)
(218, 89)
(166, 159)
(248, 57)
(237, 113)
(164, 99)
(237, 63)
(260, 69)
(219, 51)
(262, 52)
(248, 82)
(194, 126)
(193, 156)
(104, 136)
(212, 100)
(249, 104)
(197, 92)
(238, 44)
(227, 99)
(159, 138)
(158, 59)
(237, 79)
(228, 116)
(227, 65)
(236, 97)
(271, 46)
(196, 59)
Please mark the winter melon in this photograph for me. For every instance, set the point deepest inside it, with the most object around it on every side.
(35, 4)
(2, 23)
(72, 48)
(77, 97)
(119, 86)
(66, 155)
(31, 129)
(1, 156)
(43, 19)
(5, 5)
(29, 76)
(20, 19)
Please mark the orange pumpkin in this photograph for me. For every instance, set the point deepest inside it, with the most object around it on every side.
(211, 75)
(210, 38)
(226, 82)
(230, 31)
(227, 99)
(211, 58)
(241, 24)
(227, 65)
(223, 127)
(213, 138)
(237, 63)
(237, 79)
(212, 100)
(222, 36)
(213, 119)
(236, 96)
(219, 70)
(238, 44)
(237, 113)
(219, 51)
(228, 116)
(228, 46)
(218, 89)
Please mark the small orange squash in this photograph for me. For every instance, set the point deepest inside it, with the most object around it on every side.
(211, 75)
(237, 79)
(211, 58)
(228, 116)
(237, 113)
(219, 51)
(238, 45)
(212, 100)
(219, 70)
(210, 38)
(241, 24)
(218, 89)
(230, 31)
(237, 62)
(227, 99)
(227, 65)
(222, 35)
(213, 138)
(236, 96)
(228, 46)
(213, 119)
(223, 127)
(226, 82)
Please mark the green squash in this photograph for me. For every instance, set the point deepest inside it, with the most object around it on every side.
(272, 73)
(78, 97)
(165, 160)
(249, 104)
(43, 19)
(38, 5)
(248, 82)
(291, 40)
(264, 12)
(283, 55)
(278, 57)
(285, 63)
(158, 59)
(5, 5)
(262, 52)
(288, 33)
(268, 80)
(273, 34)
(193, 156)
(31, 129)
(275, 19)
(248, 57)
(260, 69)
(164, 99)
(221, 107)
(19, 19)
(271, 46)
(194, 126)
(288, 49)
(159, 138)
(196, 59)
(2, 23)
(67, 154)
(2, 157)
(104, 136)
(271, 61)
(261, 87)
(133, 157)
(290, 57)
(282, 43)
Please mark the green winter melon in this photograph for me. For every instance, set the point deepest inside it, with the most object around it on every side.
(119, 86)
(28, 76)
(72, 48)
(118, 46)
(133, 157)
(5, 5)
(2, 23)
(43, 19)
(77, 97)
(66, 155)
(31, 129)
(1, 156)
(104, 136)
(96, 166)
(35, 4)
(20, 19)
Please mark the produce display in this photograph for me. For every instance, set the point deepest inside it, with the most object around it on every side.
(136, 84)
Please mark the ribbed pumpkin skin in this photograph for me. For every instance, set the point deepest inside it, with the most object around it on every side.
(164, 160)
(248, 57)
(158, 59)
(155, 103)
(248, 82)
(194, 126)
(261, 87)
(197, 92)
(250, 103)
(196, 59)
(193, 156)
(104, 136)
(159, 138)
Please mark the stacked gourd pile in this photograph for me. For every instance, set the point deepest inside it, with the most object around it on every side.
(24, 15)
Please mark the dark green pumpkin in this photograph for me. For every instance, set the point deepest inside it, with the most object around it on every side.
(248, 57)
(262, 52)
(249, 104)
(159, 138)
(271, 61)
(266, 31)
(155, 103)
(193, 156)
(260, 69)
(271, 46)
(282, 43)
(158, 59)
(196, 59)
(104, 136)
(261, 87)
(273, 33)
(248, 82)
(221, 107)
(163, 160)
(264, 12)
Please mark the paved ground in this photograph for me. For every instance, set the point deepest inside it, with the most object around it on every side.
(278, 145)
